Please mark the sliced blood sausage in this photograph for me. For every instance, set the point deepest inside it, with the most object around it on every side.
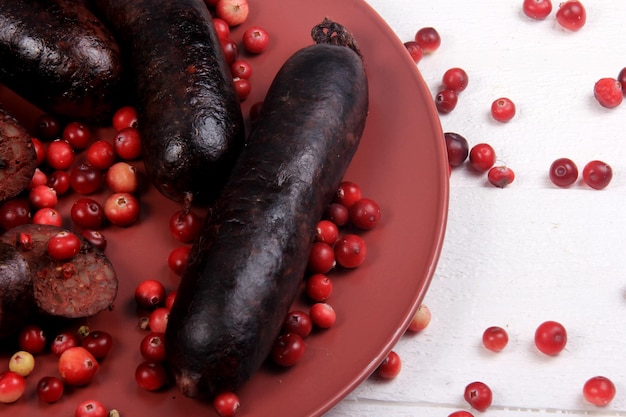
(80, 287)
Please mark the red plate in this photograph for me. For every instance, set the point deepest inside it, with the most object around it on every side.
(401, 163)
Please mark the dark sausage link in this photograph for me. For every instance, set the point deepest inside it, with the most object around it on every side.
(244, 271)
(60, 57)
(189, 113)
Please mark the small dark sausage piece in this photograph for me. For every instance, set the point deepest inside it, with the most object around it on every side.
(188, 111)
(60, 57)
(244, 271)
(16, 291)
(81, 287)
(17, 157)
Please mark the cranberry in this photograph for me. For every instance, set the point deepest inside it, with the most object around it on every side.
(457, 148)
(124, 117)
(597, 174)
(322, 315)
(390, 366)
(571, 15)
(59, 181)
(150, 294)
(608, 92)
(234, 12)
(63, 341)
(230, 50)
(446, 100)
(495, 338)
(428, 38)
(243, 87)
(158, 318)
(500, 176)
(482, 156)
(503, 109)
(77, 366)
(537, 9)
(95, 238)
(185, 225)
(621, 77)
(599, 391)
(221, 27)
(12, 387)
(415, 50)
(321, 258)
(42, 196)
(101, 154)
(226, 404)
(478, 395)
(48, 215)
(327, 232)
(24, 242)
(288, 349)
(22, 362)
(170, 298)
(50, 389)
(47, 127)
(14, 212)
(255, 39)
(91, 408)
(177, 259)
(87, 213)
(241, 69)
(40, 150)
(365, 213)
(550, 337)
(152, 347)
(98, 343)
(121, 209)
(77, 134)
(455, 79)
(298, 322)
(86, 179)
(39, 178)
(127, 143)
(121, 177)
(319, 287)
(563, 172)
(63, 246)
(60, 154)
(32, 339)
(337, 213)
(420, 320)
(347, 193)
(150, 376)
(350, 251)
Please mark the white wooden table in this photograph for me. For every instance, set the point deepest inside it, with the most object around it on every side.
(531, 252)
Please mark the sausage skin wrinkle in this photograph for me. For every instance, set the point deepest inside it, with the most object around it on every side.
(189, 114)
(60, 57)
(245, 269)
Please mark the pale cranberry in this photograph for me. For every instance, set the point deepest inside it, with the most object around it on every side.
(122, 177)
